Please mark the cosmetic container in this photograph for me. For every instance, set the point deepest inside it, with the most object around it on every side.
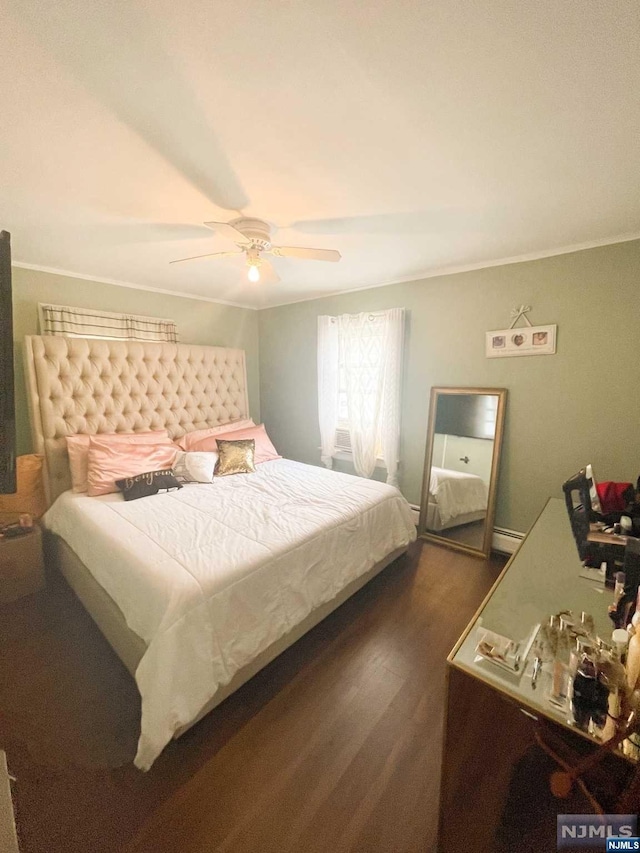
(633, 654)
(561, 675)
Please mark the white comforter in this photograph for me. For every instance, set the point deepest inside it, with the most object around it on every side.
(457, 493)
(211, 575)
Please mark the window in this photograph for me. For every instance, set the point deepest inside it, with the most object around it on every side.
(86, 323)
(363, 359)
(490, 402)
(359, 378)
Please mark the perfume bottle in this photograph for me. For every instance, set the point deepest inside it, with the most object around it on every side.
(587, 623)
(618, 610)
(548, 639)
(561, 676)
(590, 696)
(578, 647)
(620, 639)
(614, 676)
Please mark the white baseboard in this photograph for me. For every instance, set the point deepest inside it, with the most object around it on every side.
(504, 540)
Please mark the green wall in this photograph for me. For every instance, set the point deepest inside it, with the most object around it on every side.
(565, 410)
(198, 322)
(580, 405)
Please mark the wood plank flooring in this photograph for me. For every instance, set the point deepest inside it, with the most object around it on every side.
(334, 747)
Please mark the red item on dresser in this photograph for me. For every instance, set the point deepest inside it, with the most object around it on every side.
(614, 497)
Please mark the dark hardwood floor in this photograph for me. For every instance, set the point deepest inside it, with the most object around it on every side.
(335, 746)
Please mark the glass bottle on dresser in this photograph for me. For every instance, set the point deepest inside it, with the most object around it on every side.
(561, 677)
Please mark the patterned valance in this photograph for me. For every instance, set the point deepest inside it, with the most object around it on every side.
(86, 323)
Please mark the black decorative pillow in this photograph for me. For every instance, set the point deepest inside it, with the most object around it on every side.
(144, 485)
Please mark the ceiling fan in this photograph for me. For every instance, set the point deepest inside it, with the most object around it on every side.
(253, 237)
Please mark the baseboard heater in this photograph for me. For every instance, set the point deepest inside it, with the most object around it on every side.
(504, 540)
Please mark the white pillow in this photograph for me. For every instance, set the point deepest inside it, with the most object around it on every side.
(195, 467)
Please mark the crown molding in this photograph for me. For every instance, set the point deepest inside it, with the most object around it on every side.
(435, 273)
(454, 270)
(130, 285)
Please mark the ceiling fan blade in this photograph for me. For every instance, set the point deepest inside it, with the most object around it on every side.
(305, 254)
(210, 255)
(228, 231)
(267, 273)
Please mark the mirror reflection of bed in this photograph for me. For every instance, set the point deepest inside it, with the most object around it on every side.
(464, 428)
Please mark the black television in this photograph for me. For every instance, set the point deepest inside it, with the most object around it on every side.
(7, 398)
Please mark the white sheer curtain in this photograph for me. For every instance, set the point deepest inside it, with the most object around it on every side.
(328, 386)
(360, 357)
(392, 393)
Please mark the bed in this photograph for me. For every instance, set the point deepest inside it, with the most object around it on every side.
(455, 498)
(196, 590)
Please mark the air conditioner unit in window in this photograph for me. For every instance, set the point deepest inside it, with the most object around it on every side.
(343, 440)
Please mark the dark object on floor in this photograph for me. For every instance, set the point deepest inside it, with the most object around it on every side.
(529, 823)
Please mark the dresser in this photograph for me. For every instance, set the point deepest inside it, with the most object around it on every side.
(495, 792)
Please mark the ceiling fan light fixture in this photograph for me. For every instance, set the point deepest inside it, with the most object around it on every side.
(253, 238)
(253, 262)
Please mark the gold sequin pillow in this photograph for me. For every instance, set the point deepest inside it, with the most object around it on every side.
(235, 457)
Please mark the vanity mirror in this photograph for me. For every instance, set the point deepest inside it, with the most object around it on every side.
(462, 459)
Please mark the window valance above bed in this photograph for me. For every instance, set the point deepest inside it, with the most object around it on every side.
(87, 323)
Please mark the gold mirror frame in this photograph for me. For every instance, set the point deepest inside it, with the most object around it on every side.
(436, 392)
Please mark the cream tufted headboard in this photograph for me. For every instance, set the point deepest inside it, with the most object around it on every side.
(82, 385)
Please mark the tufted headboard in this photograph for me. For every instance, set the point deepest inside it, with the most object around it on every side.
(90, 386)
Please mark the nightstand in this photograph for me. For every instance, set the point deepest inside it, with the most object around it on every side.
(21, 565)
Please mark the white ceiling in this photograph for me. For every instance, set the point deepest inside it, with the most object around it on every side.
(412, 135)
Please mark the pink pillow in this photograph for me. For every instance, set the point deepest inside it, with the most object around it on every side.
(78, 449)
(265, 451)
(189, 439)
(110, 461)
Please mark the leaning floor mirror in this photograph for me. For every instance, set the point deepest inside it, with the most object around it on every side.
(462, 459)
